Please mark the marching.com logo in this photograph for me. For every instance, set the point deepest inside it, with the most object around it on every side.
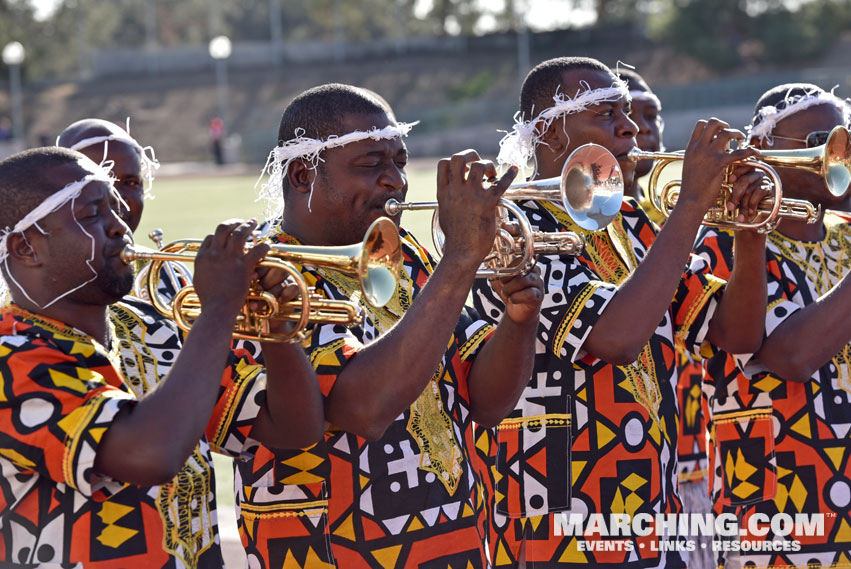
(678, 532)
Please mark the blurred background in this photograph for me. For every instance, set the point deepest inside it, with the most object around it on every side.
(205, 81)
(189, 72)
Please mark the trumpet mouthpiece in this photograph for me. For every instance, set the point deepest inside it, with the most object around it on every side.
(392, 207)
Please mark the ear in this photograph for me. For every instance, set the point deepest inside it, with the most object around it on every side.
(554, 137)
(21, 250)
(301, 175)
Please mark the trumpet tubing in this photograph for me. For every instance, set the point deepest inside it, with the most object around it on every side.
(375, 262)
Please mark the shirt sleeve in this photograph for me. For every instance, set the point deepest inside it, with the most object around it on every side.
(331, 347)
(695, 301)
(471, 333)
(55, 414)
(242, 392)
(574, 299)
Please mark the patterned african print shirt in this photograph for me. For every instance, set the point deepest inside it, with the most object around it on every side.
(692, 460)
(61, 390)
(410, 499)
(784, 447)
(588, 436)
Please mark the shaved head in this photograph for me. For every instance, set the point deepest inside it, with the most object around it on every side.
(28, 177)
(88, 128)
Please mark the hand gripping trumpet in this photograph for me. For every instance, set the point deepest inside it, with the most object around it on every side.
(375, 262)
(831, 161)
(590, 189)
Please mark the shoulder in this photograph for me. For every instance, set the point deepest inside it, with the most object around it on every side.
(135, 312)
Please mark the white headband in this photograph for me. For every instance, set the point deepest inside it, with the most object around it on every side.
(150, 164)
(646, 96)
(280, 158)
(52, 203)
(767, 118)
(518, 146)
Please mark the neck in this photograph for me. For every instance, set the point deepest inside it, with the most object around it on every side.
(633, 190)
(89, 318)
(293, 225)
(546, 169)
(800, 230)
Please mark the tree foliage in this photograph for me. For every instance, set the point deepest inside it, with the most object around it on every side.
(728, 33)
(721, 33)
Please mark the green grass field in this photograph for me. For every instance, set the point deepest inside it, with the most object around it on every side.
(191, 207)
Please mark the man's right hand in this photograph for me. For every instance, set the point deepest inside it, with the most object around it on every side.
(706, 159)
(468, 203)
(224, 268)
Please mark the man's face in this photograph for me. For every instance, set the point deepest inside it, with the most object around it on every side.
(356, 180)
(645, 114)
(127, 169)
(791, 134)
(85, 228)
(607, 124)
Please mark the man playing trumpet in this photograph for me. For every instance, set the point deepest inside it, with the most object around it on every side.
(595, 432)
(98, 470)
(780, 427)
(392, 484)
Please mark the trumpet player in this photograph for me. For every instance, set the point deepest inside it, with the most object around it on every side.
(95, 474)
(392, 484)
(595, 431)
(783, 414)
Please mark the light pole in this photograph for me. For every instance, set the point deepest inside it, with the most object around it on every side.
(220, 50)
(13, 56)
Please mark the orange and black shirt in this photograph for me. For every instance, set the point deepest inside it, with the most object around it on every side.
(410, 499)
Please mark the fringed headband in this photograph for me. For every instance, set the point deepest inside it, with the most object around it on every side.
(303, 147)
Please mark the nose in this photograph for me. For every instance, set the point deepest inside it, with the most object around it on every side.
(626, 127)
(393, 178)
(118, 228)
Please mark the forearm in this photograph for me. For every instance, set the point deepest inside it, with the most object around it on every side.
(630, 318)
(501, 370)
(149, 443)
(386, 376)
(292, 415)
(739, 321)
(801, 344)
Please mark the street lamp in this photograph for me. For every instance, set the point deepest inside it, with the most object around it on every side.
(220, 50)
(13, 56)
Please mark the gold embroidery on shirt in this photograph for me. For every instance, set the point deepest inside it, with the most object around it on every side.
(138, 365)
(184, 504)
(432, 429)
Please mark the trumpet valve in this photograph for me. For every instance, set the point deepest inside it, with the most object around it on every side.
(559, 243)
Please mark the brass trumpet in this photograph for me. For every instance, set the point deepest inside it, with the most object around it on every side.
(590, 189)
(831, 161)
(177, 275)
(375, 262)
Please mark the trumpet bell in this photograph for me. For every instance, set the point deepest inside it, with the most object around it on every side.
(592, 187)
(380, 262)
(837, 161)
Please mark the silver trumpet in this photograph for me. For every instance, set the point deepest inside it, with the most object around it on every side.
(590, 189)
